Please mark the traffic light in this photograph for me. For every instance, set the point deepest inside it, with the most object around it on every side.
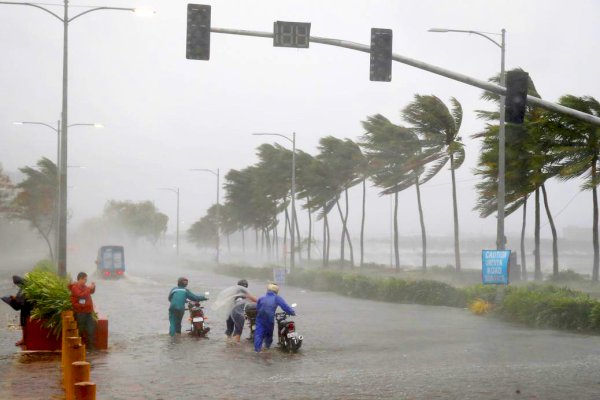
(381, 55)
(198, 32)
(291, 34)
(517, 83)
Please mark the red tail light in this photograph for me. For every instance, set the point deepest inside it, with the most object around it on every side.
(290, 327)
(106, 273)
(119, 272)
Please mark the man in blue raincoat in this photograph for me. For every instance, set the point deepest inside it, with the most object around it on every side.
(265, 316)
(177, 298)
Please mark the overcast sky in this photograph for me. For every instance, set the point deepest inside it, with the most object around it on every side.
(165, 114)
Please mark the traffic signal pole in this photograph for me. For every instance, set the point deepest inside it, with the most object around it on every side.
(487, 86)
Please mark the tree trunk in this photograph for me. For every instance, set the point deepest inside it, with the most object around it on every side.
(537, 252)
(396, 249)
(455, 211)
(595, 224)
(256, 235)
(309, 245)
(343, 240)
(243, 240)
(298, 238)
(554, 235)
(45, 236)
(422, 221)
(523, 257)
(350, 248)
(276, 241)
(327, 239)
(285, 233)
(362, 224)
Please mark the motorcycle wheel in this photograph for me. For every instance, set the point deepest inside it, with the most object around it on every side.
(294, 345)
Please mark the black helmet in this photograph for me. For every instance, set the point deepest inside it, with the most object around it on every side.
(182, 282)
(243, 282)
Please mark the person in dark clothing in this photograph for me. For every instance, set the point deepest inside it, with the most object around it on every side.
(235, 321)
(20, 303)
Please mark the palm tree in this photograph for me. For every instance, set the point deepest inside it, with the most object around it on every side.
(318, 187)
(391, 152)
(36, 199)
(531, 161)
(579, 153)
(438, 128)
(342, 157)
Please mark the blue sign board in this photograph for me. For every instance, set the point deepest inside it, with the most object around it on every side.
(279, 276)
(495, 266)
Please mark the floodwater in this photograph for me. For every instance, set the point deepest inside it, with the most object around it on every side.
(352, 349)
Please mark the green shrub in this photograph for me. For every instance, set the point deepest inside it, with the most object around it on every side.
(50, 296)
(536, 305)
(567, 276)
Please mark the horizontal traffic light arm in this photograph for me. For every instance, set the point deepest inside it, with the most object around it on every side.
(488, 86)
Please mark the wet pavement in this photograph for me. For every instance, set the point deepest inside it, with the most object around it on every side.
(352, 349)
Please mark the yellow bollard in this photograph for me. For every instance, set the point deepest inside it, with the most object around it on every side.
(85, 391)
(75, 352)
(66, 317)
(80, 372)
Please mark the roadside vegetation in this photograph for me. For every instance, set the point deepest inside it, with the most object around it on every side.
(547, 305)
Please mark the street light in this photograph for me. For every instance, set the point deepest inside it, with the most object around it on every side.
(62, 226)
(217, 174)
(176, 191)
(500, 242)
(57, 130)
(293, 224)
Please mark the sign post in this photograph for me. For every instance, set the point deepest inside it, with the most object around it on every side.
(494, 265)
(279, 276)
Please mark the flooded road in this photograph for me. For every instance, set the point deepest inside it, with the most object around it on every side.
(352, 349)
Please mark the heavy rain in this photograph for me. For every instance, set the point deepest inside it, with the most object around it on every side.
(300, 200)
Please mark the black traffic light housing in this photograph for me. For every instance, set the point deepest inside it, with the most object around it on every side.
(517, 84)
(381, 55)
(198, 32)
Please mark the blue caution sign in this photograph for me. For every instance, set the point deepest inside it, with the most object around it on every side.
(279, 276)
(495, 266)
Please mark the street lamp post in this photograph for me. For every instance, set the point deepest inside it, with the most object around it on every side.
(58, 193)
(293, 223)
(62, 226)
(218, 222)
(176, 191)
(500, 239)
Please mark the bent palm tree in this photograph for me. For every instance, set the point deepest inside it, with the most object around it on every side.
(438, 129)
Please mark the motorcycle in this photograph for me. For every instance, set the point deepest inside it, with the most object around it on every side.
(289, 339)
(250, 315)
(199, 326)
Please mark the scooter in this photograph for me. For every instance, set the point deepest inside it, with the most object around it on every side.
(199, 326)
(289, 339)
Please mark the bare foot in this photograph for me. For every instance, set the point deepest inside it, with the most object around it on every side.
(20, 343)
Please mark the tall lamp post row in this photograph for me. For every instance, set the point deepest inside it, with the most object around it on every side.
(293, 194)
(218, 214)
(500, 240)
(65, 20)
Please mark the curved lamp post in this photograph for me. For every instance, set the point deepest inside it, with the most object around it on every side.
(65, 20)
